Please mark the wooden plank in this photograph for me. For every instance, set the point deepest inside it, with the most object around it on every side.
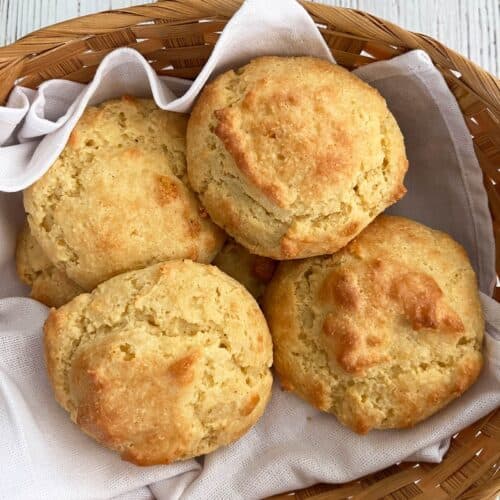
(471, 27)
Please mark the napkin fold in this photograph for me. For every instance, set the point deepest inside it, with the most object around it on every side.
(44, 455)
(35, 125)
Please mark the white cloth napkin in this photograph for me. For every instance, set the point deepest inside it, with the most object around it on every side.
(44, 455)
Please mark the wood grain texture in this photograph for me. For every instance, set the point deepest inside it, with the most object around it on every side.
(472, 27)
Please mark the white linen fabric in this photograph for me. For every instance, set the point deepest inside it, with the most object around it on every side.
(35, 126)
(43, 455)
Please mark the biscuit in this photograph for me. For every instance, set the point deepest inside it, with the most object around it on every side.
(383, 333)
(161, 364)
(117, 197)
(252, 271)
(294, 156)
(49, 285)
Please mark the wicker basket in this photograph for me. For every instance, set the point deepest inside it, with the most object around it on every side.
(170, 35)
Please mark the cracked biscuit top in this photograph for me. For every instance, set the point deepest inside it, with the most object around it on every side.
(161, 364)
(383, 333)
(294, 156)
(49, 284)
(117, 197)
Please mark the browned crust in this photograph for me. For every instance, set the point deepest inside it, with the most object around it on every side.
(225, 131)
(250, 406)
(422, 302)
(145, 387)
(166, 190)
(181, 370)
(230, 152)
(378, 308)
(342, 289)
(122, 200)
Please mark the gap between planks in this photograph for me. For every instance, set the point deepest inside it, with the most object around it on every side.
(471, 27)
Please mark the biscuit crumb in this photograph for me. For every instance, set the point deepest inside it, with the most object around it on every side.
(383, 333)
(154, 363)
(123, 173)
(294, 156)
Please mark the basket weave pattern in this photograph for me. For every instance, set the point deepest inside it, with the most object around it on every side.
(170, 35)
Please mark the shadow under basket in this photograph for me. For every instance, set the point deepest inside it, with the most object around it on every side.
(177, 37)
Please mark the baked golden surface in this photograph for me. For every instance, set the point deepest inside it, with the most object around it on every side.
(294, 156)
(161, 364)
(252, 271)
(383, 333)
(117, 197)
(48, 284)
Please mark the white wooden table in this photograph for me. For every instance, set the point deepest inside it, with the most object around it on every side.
(471, 27)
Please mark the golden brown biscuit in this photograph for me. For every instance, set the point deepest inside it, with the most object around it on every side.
(252, 271)
(294, 156)
(48, 284)
(162, 364)
(117, 197)
(383, 333)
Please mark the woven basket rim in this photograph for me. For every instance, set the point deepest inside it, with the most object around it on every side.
(491, 98)
(67, 23)
(478, 94)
